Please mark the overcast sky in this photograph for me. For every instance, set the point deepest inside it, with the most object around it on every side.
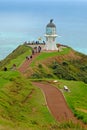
(32, 16)
(15, 13)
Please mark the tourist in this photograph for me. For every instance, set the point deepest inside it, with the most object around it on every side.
(39, 49)
(33, 52)
(31, 57)
(27, 57)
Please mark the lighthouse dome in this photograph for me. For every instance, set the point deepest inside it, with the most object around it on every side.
(51, 28)
(51, 24)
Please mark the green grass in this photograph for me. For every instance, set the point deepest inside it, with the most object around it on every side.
(76, 98)
(21, 104)
(7, 76)
(16, 57)
(19, 60)
(46, 55)
(68, 66)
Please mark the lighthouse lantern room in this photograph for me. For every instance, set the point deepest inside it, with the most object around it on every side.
(51, 36)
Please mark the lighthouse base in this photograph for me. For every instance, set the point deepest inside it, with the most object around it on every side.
(50, 46)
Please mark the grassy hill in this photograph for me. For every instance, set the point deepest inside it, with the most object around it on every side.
(22, 105)
(16, 57)
(67, 64)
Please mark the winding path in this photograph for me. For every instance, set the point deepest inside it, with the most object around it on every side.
(56, 102)
(54, 98)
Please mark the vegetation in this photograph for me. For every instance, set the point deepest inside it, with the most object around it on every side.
(76, 98)
(46, 55)
(22, 105)
(70, 70)
(16, 57)
(61, 65)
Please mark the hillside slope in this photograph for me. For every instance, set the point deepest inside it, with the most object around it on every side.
(22, 105)
(69, 65)
(16, 57)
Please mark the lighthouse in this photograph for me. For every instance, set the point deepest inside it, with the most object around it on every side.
(51, 36)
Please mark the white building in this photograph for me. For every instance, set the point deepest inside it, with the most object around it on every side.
(51, 36)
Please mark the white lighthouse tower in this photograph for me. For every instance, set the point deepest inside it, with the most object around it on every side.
(51, 36)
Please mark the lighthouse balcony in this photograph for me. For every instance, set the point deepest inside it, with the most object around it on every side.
(53, 35)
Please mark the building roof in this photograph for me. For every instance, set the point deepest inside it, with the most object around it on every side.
(51, 24)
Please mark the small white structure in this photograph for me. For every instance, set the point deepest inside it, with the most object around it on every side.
(66, 88)
(55, 81)
(51, 36)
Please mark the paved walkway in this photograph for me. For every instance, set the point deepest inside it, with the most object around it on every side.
(56, 102)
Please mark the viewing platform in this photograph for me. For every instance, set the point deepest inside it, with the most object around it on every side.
(36, 44)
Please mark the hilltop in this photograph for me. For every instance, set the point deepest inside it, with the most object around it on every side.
(22, 104)
(66, 64)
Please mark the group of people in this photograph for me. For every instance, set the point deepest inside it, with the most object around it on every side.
(34, 43)
(29, 57)
(34, 50)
